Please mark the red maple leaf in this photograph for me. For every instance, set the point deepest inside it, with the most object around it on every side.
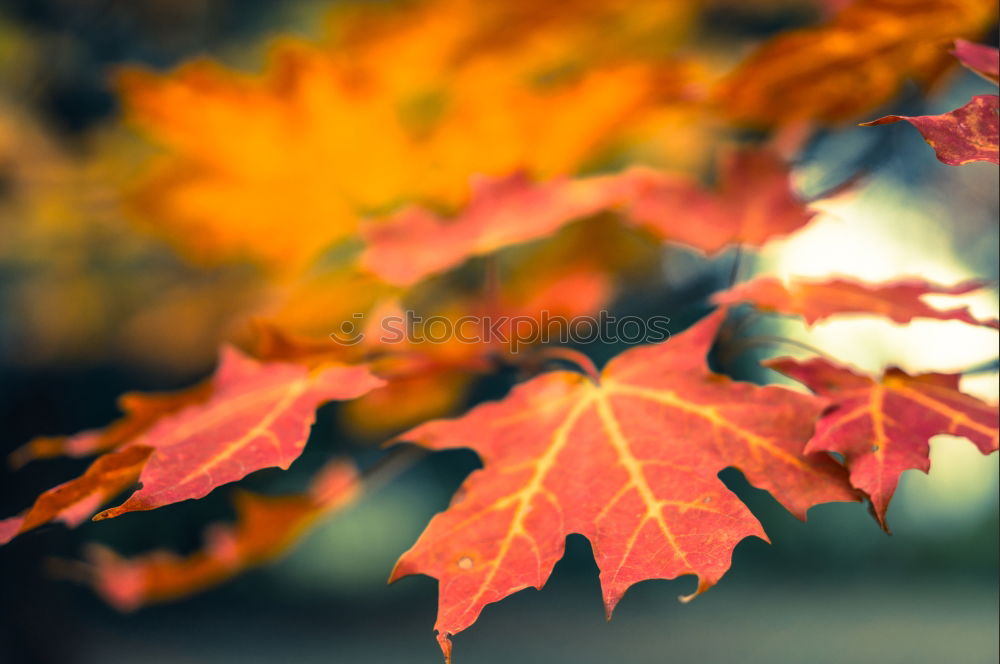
(754, 203)
(258, 416)
(631, 462)
(882, 425)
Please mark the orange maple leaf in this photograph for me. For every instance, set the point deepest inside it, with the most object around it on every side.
(266, 526)
(278, 166)
(851, 64)
(631, 462)
(142, 410)
(882, 425)
(259, 416)
(73, 502)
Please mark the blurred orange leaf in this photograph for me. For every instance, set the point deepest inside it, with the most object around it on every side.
(755, 202)
(266, 526)
(279, 166)
(852, 64)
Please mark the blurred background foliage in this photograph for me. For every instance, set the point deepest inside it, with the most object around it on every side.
(93, 304)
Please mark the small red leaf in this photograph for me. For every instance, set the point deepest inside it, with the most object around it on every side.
(882, 426)
(982, 59)
(967, 134)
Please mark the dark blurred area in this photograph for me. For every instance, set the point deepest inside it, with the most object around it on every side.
(67, 80)
(835, 589)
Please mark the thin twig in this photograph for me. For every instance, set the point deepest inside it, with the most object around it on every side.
(745, 322)
(759, 341)
(391, 465)
(734, 271)
(985, 367)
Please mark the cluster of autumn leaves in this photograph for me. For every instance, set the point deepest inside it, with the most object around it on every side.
(541, 152)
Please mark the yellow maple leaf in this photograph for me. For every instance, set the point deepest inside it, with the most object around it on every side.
(276, 167)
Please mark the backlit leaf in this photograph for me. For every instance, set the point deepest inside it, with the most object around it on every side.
(882, 425)
(259, 416)
(754, 203)
(631, 463)
(899, 301)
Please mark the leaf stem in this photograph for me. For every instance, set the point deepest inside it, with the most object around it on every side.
(573, 356)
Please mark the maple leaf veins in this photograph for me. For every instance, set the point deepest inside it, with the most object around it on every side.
(631, 463)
